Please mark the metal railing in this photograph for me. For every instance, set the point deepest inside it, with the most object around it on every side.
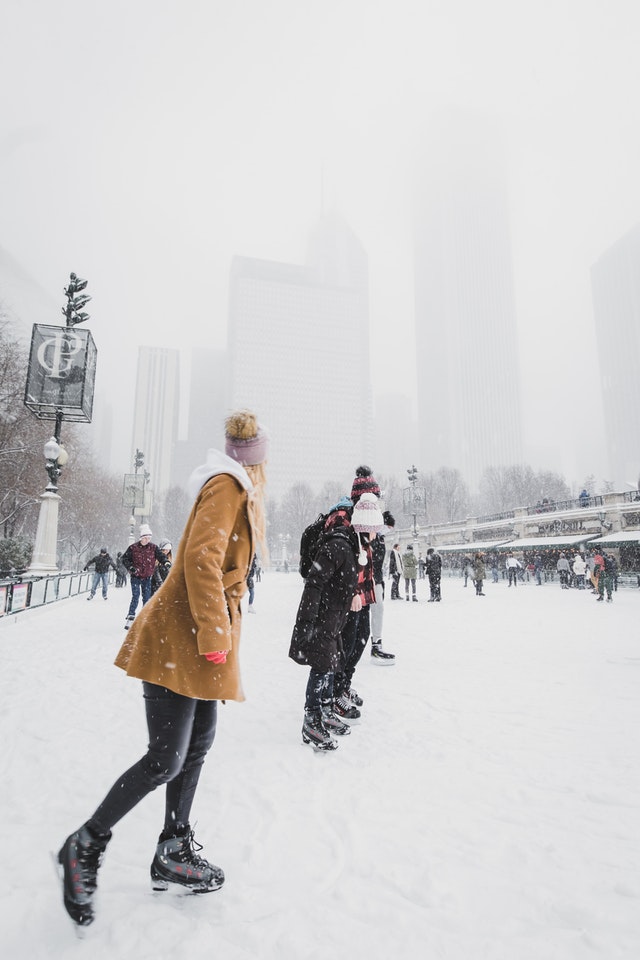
(18, 594)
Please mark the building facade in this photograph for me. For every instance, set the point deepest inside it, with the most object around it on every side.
(615, 284)
(299, 356)
(465, 316)
(156, 413)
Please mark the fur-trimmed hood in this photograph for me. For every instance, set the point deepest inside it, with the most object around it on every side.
(217, 462)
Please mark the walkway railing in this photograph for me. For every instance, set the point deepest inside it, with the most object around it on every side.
(17, 594)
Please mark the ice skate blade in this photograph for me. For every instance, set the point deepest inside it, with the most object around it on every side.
(181, 889)
(326, 747)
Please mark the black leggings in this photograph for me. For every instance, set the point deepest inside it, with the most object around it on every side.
(181, 732)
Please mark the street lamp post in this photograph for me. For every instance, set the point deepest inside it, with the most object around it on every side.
(43, 560)
(60, 383)
(133, 492)
(414, 499)
(284, 539)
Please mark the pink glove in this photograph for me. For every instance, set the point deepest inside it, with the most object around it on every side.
(220, 656)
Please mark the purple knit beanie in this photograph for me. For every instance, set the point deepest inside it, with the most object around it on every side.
(244, 439)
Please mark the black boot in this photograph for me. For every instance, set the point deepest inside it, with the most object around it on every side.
(333, 724)
(80, 857)
(177, 861)
(343, 706)
(315, 732)
(379, 654)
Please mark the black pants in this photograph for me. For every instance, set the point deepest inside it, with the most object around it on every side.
(181, 732)
(395, 592)
(355, 636)
(319, 690)
(434, 587)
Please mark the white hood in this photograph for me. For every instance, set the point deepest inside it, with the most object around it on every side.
(217, 462)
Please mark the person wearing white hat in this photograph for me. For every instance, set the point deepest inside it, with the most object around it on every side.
(140, 560)
(161, 571)
(367, 521)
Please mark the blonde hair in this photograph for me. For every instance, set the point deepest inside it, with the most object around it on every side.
(242, 426)
(257, 515)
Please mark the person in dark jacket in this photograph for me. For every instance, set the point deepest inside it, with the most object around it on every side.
(101, 564)
(161, 571)
(378, 551)
(367, 521)
(140, 560)
(395, 571)
(479, 573)
(434, 573)
(607, 577)
(329, 591)
(121, 571)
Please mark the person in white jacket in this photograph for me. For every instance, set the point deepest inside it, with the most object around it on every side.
(579, 568)
(512, 566)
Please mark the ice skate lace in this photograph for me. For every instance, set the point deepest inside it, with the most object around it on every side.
(192, 854)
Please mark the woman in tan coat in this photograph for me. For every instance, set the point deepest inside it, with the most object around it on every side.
(183, 646)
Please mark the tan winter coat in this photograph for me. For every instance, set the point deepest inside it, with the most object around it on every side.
(197, 609)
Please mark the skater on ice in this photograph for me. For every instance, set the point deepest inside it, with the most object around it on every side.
(367, 521)
(140, 560)
(183, 646)
(328, 595)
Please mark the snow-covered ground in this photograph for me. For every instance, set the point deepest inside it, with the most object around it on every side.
(487, 807)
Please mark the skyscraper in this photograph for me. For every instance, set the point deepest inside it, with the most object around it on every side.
(205, 426)
(299, 356)
(466, 334)
(615, 284)
(155, 413)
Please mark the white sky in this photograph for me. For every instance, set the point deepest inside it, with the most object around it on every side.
(143, 143)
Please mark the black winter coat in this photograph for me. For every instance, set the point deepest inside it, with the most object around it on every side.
(102, 563)
(378, 551)
(326, 600)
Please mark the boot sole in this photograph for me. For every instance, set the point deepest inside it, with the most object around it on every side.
(162, 885)
(327, 746)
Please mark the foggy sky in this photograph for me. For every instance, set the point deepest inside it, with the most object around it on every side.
(144, 143)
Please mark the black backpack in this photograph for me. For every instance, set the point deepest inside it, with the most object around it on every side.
(310, 543)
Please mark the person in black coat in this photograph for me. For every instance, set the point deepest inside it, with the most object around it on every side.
(395, 571)
(161, 571)
(434, 573)
(101, 564)
(328, 593)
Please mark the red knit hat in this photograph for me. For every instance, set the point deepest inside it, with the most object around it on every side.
(364, 482)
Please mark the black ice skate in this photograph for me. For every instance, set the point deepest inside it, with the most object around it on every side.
(380, 655)
(315, 732)
(355, 697)
(333, 723)
(345, 709)
(128, 622)
(79, 859)
(177, 861)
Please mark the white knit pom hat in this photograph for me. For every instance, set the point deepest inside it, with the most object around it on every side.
(367, 517)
